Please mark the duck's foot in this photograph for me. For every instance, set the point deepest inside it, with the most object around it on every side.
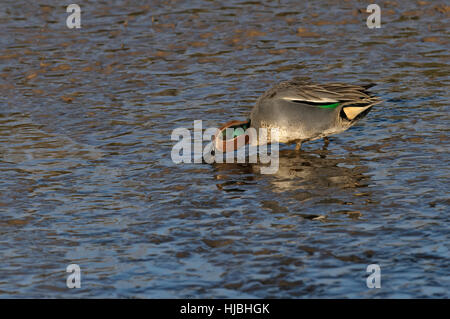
(298, 146)
(326, 141)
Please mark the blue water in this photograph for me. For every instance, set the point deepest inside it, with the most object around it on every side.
(86, 175)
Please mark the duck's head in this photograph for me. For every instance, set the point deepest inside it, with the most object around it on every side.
(232, 136)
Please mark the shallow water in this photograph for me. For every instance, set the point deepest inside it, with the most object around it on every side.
(86, 175)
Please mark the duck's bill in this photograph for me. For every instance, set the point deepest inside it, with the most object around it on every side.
(231, 136)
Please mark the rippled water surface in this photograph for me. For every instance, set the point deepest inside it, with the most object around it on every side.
(86, 175)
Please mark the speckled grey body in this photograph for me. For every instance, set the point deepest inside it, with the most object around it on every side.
(297, 121)
(297, 109)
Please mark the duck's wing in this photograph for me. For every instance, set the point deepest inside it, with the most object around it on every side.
(322, 94)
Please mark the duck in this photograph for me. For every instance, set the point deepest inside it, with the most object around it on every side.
(302, 111)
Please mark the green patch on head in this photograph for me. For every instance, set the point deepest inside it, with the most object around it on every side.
(237, 130)
(329, 106)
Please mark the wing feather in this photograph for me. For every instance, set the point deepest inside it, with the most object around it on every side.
(300, 91)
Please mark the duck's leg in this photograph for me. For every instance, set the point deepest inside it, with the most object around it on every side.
(326, 141)
(298, 146)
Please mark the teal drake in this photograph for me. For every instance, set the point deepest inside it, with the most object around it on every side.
(304, 111)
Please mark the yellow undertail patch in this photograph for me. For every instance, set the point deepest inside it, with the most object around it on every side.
(353, 111)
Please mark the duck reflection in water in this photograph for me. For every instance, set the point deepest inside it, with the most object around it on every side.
(316, 171)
